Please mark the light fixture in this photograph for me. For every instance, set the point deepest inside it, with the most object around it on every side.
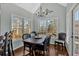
(42, 12)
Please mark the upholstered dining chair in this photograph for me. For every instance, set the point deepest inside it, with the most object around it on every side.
(33, 34)
(1, 46)
(61, 39)
(27, 47)
(43, 47)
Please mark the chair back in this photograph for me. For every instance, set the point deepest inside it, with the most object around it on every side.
(3, 44)
(32, 35)
(34, 32)
(26, 36)
(47, 40)
(62, 36)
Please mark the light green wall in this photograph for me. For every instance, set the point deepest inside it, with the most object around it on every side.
(6, 11)
(59, 13)
(5, 22)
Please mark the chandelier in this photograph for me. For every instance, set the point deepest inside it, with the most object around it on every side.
(42, 12)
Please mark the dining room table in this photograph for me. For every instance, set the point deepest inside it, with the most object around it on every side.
(34, 41)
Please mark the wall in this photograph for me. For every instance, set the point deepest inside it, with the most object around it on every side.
(59, 13)
(8, 10)
(69, 33)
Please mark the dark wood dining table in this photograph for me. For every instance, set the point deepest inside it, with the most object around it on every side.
(34, 41)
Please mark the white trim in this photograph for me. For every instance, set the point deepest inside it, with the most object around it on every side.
(72, 7)
(69, 13)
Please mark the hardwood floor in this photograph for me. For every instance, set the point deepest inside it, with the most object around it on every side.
(52, 51)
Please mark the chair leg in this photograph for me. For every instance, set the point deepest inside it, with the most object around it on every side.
(44, 53)
(30, 51)
(47, 52)
(12, 48)
(62, 47)
(24, 50)
(33, 52)
(55, 45)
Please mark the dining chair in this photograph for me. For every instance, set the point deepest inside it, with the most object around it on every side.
(42, 48)
(48, 40)
(7, 45)
(34, 32)
(1, 46)
(61, 39)
(27, 47)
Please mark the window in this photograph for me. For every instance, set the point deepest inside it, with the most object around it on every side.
(20, 26)
(51, 27)
(77, 15)
(47, 26)
(76, 22)
(43, 27)
(27, 26)
(76, 31)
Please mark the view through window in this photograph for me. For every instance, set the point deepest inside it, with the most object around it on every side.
(47, 26)
(19, 26)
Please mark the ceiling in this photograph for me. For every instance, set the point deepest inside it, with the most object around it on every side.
(32, 7)
(63, 4)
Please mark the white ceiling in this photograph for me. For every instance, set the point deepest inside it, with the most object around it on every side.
(63, 4)
(32, 7)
